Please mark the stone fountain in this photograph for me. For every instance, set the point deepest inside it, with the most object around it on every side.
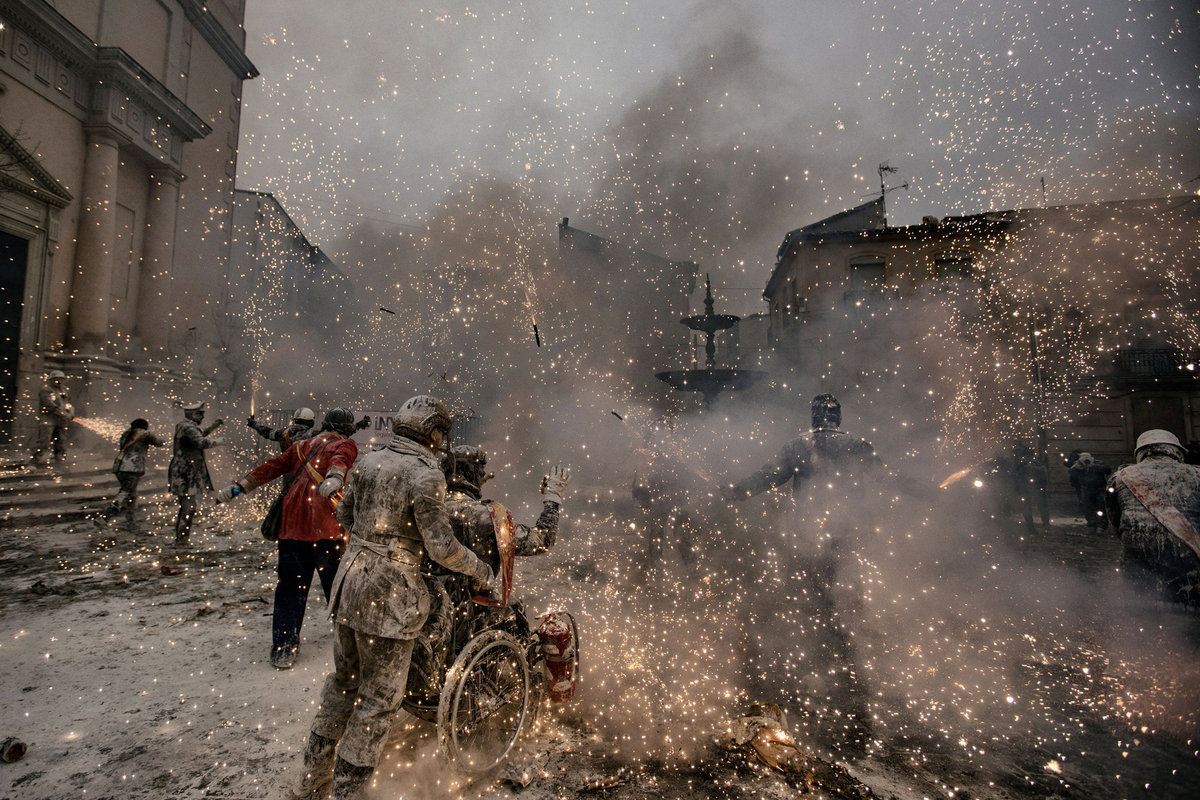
(711, 380)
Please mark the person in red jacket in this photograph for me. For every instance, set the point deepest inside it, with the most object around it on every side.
(310, 537)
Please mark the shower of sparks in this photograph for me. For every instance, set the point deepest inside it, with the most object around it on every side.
(692, 156)
(107, 429)
(433, 165)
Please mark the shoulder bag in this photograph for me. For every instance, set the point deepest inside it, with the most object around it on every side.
(273, 521)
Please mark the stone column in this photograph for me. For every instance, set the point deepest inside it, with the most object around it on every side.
(158, 249)
(91, 288)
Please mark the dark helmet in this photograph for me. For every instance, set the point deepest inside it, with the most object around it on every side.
(826, 413)
(465, 468)
(140, 423)
(340, 420)
(420, 416)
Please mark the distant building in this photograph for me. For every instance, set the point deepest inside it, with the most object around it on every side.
(270, 255)
(1076, 323)
(278, 280)
(119, 126)
(627, 308)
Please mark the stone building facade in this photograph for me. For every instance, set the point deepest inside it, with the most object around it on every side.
(119, 125)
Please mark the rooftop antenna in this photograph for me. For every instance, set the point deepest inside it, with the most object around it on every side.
(887, 169)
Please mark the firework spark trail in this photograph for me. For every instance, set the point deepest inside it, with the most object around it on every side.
(523, 268)
(957, 476)
(695, 166)
(107, 429)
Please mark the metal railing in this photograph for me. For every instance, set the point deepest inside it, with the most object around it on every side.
(1157, 362)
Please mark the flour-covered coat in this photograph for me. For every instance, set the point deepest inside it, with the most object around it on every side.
(286, 436)
(394, 509)
(55, 406)
(1147, 543)
(188, 472)
(817, 453)
(54, 417)
(131, 455)
(471, 520)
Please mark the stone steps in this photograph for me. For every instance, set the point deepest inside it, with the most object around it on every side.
(32, 497)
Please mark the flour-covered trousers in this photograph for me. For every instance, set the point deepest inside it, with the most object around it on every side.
(126, 499)
(50, 432)
(367, 685)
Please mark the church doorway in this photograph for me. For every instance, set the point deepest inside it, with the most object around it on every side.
(14, 261)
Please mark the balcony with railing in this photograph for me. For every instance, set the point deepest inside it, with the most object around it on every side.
(1154, 364)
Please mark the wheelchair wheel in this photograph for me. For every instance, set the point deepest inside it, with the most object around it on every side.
(484, 702)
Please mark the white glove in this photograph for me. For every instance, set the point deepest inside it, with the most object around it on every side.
(554, 485)
(216, 441)
(330, 485)
(229, 492)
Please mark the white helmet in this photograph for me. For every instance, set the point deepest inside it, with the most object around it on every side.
(1157, 436)
(56, 373)
(304, 415)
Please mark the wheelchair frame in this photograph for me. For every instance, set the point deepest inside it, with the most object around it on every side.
(490, 682)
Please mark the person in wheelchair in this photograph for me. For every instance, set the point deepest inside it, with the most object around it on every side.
(487, 529)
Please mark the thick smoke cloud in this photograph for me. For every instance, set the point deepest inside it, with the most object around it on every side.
(371, 109)
(706, 133)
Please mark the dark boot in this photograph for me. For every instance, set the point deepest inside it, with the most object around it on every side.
(283, 657)
(183, 520)
(348, 780)
(318, 769)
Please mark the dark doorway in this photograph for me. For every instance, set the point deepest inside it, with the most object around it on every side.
(14, 253)
(1158, 411)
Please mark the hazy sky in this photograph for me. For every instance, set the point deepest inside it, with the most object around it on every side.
(707, 130)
